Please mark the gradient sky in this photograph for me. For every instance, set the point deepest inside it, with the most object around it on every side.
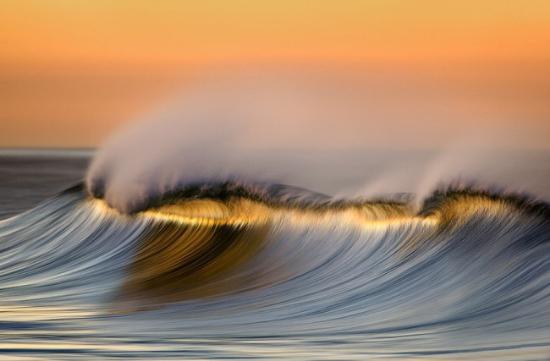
(72, 70)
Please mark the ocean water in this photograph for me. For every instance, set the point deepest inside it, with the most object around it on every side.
(235, 269)
(28, 177)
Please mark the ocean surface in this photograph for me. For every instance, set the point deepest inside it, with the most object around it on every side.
(28, 177)
(229, 269)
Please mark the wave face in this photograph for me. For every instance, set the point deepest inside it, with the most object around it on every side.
(232, 271)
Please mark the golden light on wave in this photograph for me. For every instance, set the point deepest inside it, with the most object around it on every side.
(195, 248)
(244, 212)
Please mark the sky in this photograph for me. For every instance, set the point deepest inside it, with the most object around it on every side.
(71, 71)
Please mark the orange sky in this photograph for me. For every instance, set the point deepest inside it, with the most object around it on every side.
(71, 70)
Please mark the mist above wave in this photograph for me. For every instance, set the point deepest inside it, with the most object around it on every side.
(336, 134)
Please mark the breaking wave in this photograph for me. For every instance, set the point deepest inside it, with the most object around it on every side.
(220, 269)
